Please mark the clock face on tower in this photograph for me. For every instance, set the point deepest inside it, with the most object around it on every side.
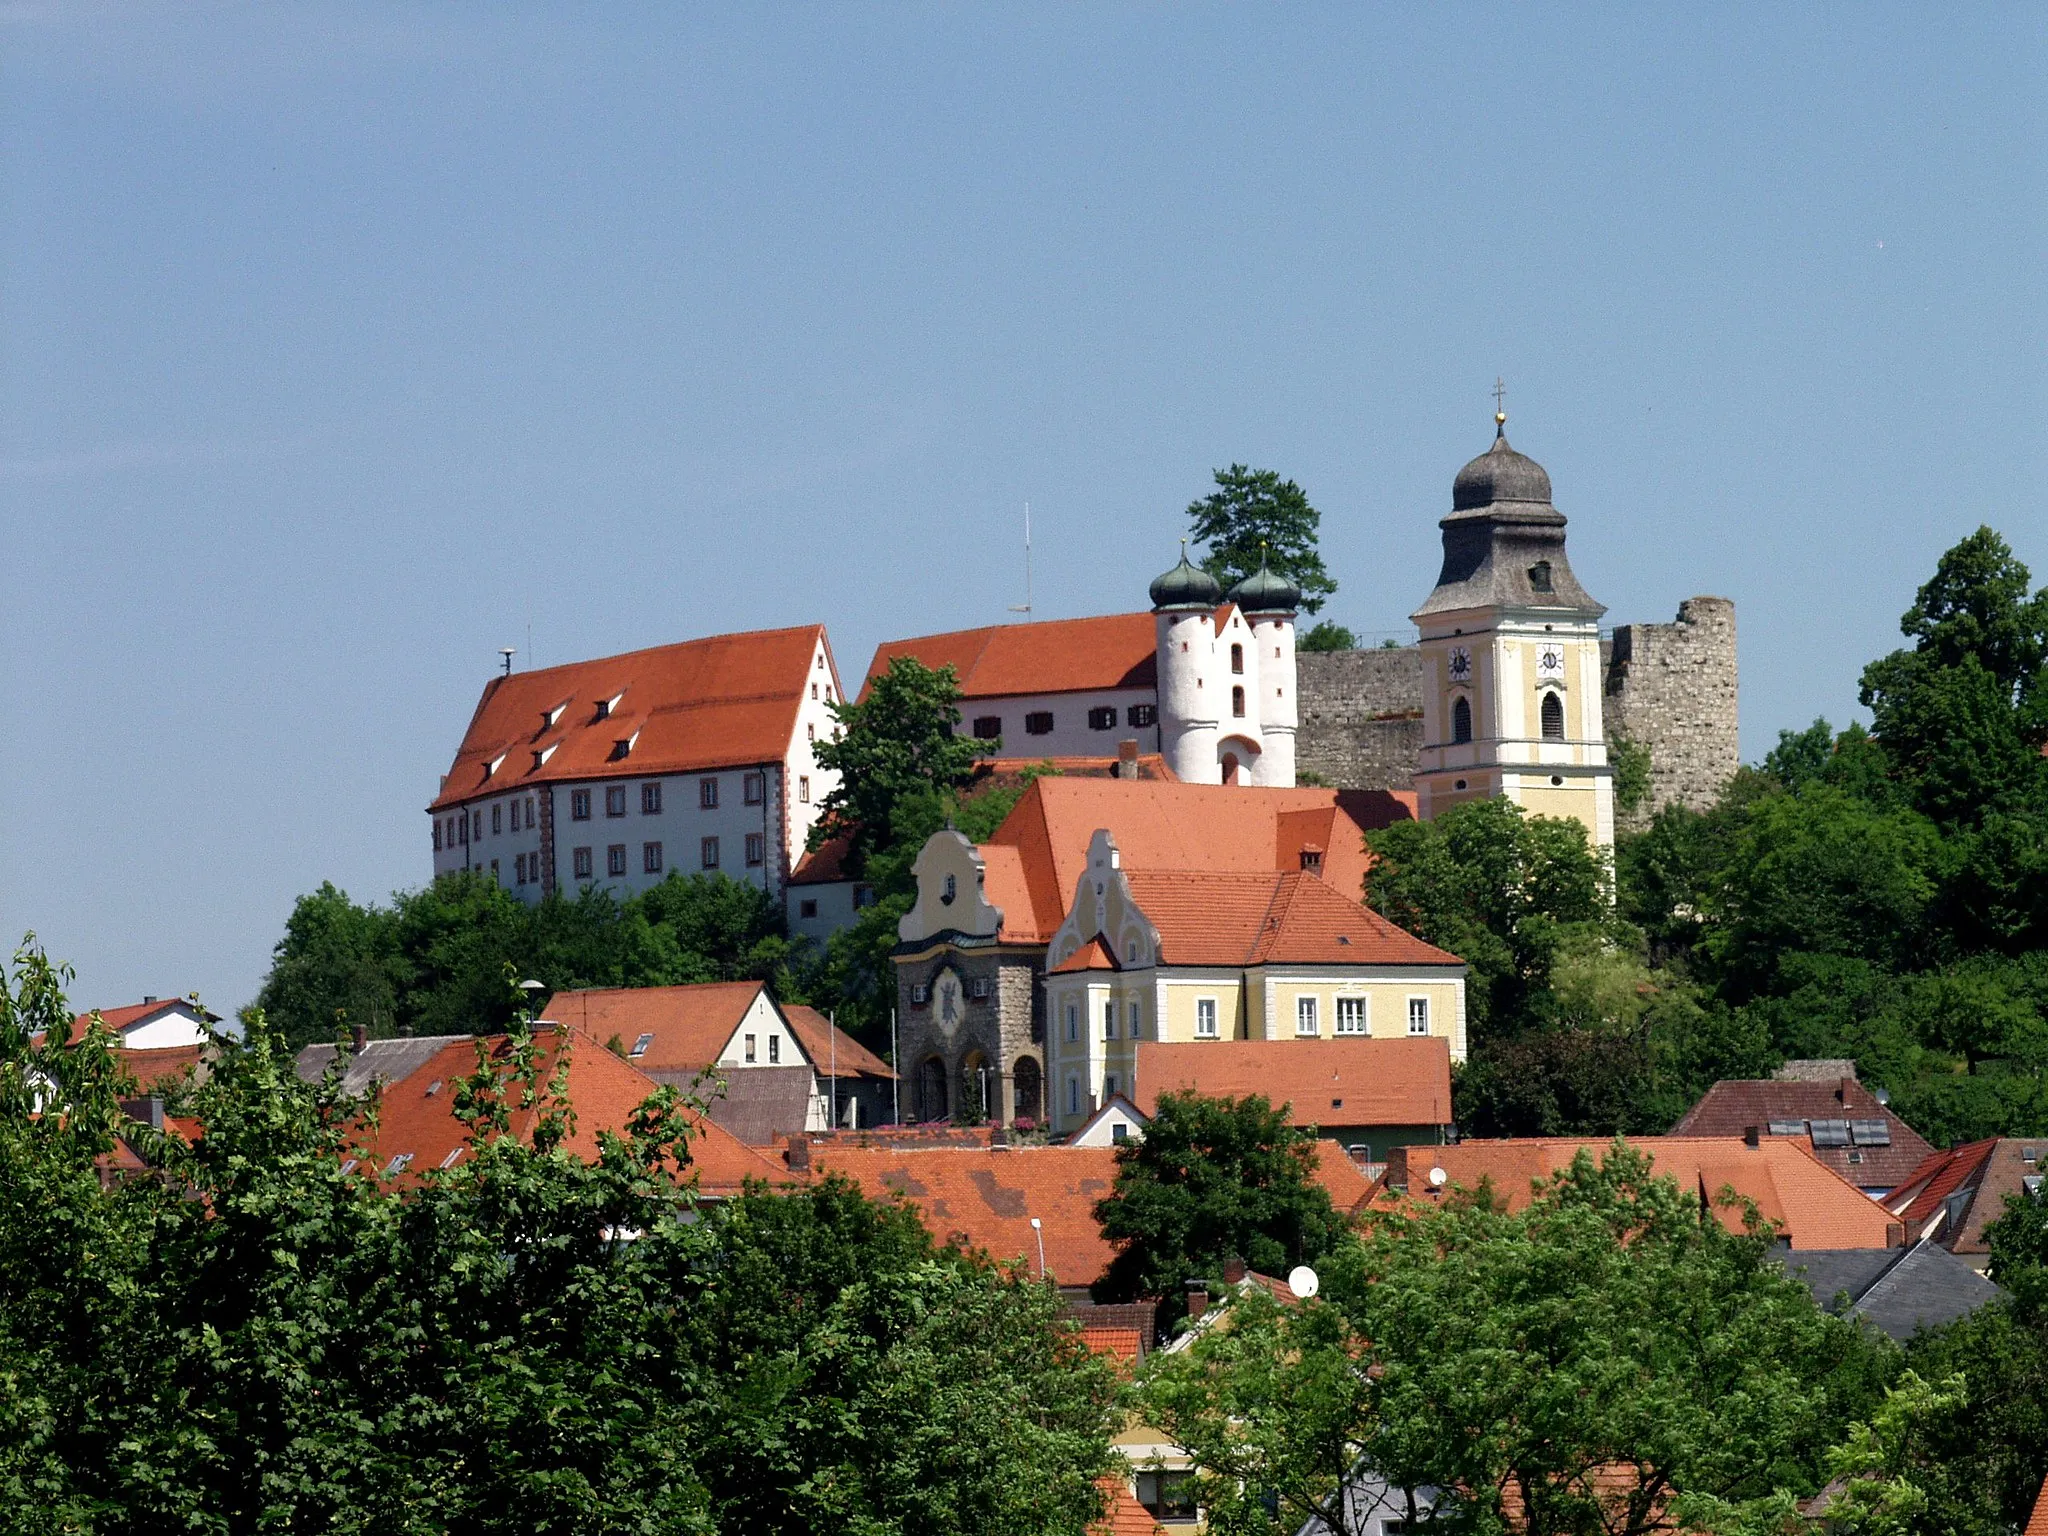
(1461, 664)
(1550, 661)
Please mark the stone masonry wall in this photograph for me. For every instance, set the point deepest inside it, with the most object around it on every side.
(1673, 688)
(1361, 716)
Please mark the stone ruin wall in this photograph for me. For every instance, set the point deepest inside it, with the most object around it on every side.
(1671, 687)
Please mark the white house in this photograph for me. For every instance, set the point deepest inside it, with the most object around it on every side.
(695, 757)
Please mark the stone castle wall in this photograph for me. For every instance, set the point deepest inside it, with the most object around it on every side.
(1361, 716)
(1671, 687)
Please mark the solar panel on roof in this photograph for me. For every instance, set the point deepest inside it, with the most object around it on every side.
(1830, 1133)
(1871, 1133)
(1788, 1127)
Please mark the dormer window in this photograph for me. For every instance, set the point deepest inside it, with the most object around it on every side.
(548, 717)
(607, 707)
(541, 756)
(624, 745)
(492, 766)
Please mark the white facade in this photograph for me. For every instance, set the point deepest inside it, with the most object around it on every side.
(627, 833)
(1081, 724)
(1227, 696)
(180, 1024)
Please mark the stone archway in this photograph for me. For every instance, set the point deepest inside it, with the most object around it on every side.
(931, 1089)
(1028, 1089)
(1237, 757)
(980, 1090)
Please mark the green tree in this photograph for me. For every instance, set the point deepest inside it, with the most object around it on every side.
(1631, 761)
(894, 745)
(1326, 636)
(1211, 1180)
(1569, 1367)
(337, 966)
(259, 1336)
(1254, 517)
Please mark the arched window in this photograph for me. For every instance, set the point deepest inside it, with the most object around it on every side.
(1028, 1085)
(1237, 659)
(931, 1089)
(1461, 719)
(1553, 717)
(1230, 767)
(1237, 701)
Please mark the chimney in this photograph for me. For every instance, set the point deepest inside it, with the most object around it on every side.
(1312, 858)
(1750, 1136)
(359, 1039)
(1127, 759)
(149, 997)
(1233, 1270)
(999, 1138)
(1895, 1234)
(798, 1155)
(1842, 1093)
(1198, 1298)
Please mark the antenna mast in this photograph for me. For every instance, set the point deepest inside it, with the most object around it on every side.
(1025, 607)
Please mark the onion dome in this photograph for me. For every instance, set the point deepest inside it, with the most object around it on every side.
(1186, 586)
(1499, 474)
(1265, 592)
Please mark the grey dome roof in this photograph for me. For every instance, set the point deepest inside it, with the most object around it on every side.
(1186, 586)
(1266, 592)
(1499, 474)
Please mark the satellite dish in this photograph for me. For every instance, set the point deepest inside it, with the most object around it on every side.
(1303, 1282)
(1438, 1178)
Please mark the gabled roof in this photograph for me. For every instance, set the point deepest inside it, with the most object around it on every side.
(1226, 918)
(1732, 1106)
(762, 1104)
(1401, 1081)
(1159, 826)
(724, 702)
(1116, 651)
(1953, 1196)
(848, 1057)
(1813, 1206)
(1093, 956)
(2037, 1524)
(121, 1020)
(690, 1025)
(1898, 1291)
(1123, 1515)
(378, 1061)
(826, 863)
(416, 1115)
(986, 1196)
(157, 1070)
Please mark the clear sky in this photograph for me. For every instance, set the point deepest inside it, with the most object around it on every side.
(341, 345)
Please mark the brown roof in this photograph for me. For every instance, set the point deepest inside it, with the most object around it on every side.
(1403, 1081)
(1813, 1206)
(157, 1070)
(1115, 651)
(690, 1024)
(826, 863)
(1159, 826)
(723, 702)
(1732, 1106)
(416, 1114)
(762, 1104)
(817, 1034)
(1147, 765)
(986, 1196)
(1977, 1177)
(1226, 918)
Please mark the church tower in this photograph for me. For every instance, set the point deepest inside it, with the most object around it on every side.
(1510, 642)
(1184, 602)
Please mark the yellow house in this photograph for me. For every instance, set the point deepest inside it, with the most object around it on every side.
(1208, 955)
(1511, 672)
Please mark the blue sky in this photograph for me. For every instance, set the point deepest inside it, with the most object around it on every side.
(345, 344)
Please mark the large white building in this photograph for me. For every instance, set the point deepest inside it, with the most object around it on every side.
(1206, 680)
(694, 757)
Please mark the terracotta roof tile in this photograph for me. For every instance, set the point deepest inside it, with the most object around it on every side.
(722, 702)
(987, 1196)
(690, 1025)
(1116, 651)
(1402, 1081)
(1093, 956)
(1816, 1207)
(157, 1070)
(825, 864)
(2038, 1524)
(1121, 1344)
(1982, 1174)
(1940, 1175)
(416, 1115)
(1226, 918)
(1732, 1106)
(1123, 1515)
(817, 1032)
(121, 1020)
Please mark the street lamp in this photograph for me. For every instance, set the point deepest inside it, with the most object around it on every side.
(1038, 1231)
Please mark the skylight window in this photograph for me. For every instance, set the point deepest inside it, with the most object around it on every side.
(640, 1045)
(398, 1164)
(450, 1160)
(348, 1165)
(434, 1087)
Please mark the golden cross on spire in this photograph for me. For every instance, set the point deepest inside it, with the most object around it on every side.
(1500, 410)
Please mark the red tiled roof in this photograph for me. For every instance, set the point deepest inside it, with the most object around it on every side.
(1159, 826)
(1814, 1206)
(1123, 1515)
(690, 1024)
(1984, 1172)
(1226, 918)
(1345, 1180)
(987, 1196)
(1092, 956)
(1401, 1081)
(1731, 1107)
(416, 1114)
(722, 702)
(816, 1032)
(158, 1069)
(121, 1020)
(1116, 651)
(825, 864)
(1120, 1344)
(1150, 765)
(2037, 1525)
